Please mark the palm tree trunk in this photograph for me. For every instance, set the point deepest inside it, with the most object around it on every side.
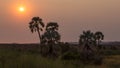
(39, 35)
(98, 46)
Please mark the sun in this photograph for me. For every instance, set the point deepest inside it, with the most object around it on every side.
(21, 9)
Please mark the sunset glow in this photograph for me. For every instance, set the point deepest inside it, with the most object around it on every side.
(21, 9)
(94, 15)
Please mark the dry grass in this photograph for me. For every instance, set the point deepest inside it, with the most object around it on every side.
(25, 56)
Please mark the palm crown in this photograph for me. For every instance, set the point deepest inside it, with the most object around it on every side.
(36, 24)
(51, 34)
(86, 37)
(98, 37)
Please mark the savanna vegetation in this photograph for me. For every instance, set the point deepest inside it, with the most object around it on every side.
(52, 53)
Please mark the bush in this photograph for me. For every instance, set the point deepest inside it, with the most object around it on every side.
(50, 51)
(91, 58)
(71, 55)
(64, 47)
(44, 49)
(111, 52)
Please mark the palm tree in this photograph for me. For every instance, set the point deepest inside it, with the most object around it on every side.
(86, 39)
(36, 24)
(98, 37)
(88, 36)
(51, 35)
(82, 39)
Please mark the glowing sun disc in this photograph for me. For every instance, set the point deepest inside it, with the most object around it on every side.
(21, 9)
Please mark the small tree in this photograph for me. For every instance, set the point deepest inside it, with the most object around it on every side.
(86, 39)
(98, 37)
(36, 24)
(51, 37)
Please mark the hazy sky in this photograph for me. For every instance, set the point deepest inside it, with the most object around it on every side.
(73, 16)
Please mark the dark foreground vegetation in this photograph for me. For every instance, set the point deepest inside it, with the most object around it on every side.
(69, 56)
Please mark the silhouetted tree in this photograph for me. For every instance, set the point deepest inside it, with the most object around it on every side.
(98, 37)
(51, 37)
(86, 39)
(91, 38)
(82, 39)
(36, 24)
(89, 53)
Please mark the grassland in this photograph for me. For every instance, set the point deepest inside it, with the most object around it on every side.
(28, 56)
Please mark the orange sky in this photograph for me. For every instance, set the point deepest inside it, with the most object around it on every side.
(73, 16)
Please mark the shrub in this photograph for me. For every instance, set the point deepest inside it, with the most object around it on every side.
(64, 47)
(52, 51)
(91, 58)
(44, 49)
(71, 55)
